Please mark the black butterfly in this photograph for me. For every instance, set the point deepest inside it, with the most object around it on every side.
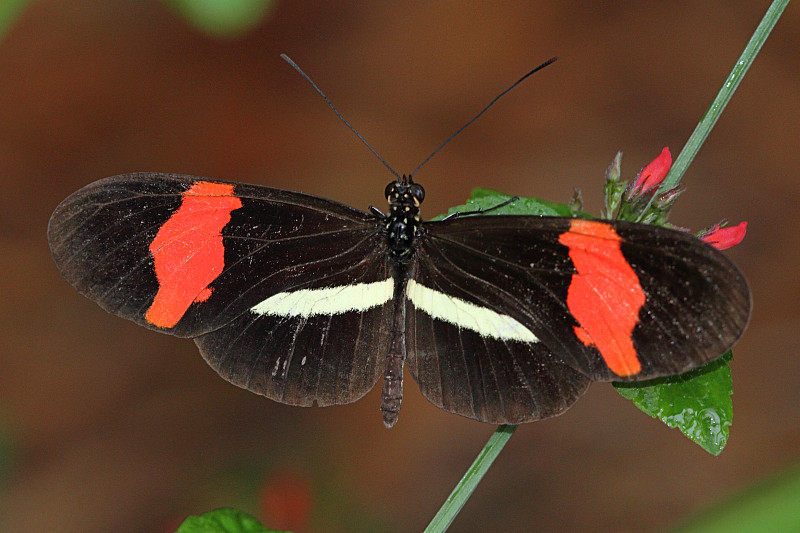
(503, 319)
(306, 300)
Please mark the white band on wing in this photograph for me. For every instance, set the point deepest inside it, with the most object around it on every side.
(467, 315)
(363, 296)
(328, 300)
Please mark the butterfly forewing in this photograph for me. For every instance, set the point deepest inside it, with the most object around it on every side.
(690, 303)
(213, 249)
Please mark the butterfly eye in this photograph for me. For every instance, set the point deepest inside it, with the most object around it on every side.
(389, 191)
(417, 192)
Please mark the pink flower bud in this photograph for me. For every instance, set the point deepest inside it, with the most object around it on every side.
(722, 238)
(653, 174)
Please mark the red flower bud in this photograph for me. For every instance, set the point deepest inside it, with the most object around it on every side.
(722, 238)
(653, 174)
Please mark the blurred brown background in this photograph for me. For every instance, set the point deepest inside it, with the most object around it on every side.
(116, 429)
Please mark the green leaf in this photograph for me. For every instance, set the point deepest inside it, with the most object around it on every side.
(225, 520)
(223, 18)
(9, 11)
(698, 403)
(482, 199)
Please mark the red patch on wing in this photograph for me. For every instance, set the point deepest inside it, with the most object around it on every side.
(187, 251)
(604, 294)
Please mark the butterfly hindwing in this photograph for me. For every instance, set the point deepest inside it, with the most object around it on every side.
(485, 378)
(479, 346)
(309, 345)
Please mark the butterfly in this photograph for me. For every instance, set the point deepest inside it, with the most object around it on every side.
(502, 319)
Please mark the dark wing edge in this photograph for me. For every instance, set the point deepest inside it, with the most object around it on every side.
(697, 316)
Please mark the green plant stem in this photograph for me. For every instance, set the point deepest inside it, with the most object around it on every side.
(724, 95)
(471, 478)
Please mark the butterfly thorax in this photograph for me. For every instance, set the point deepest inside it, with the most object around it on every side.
(403, 223)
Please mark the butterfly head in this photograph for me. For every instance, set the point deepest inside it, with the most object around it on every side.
(404, 192)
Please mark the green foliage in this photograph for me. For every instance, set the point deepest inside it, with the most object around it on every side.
(9, 11)
(698, 403)
(223, 520)
(768, 507)
(223, 18)
(724, 95)
(482, 199)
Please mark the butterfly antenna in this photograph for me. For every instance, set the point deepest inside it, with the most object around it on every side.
(319, 91)
(540, 67)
